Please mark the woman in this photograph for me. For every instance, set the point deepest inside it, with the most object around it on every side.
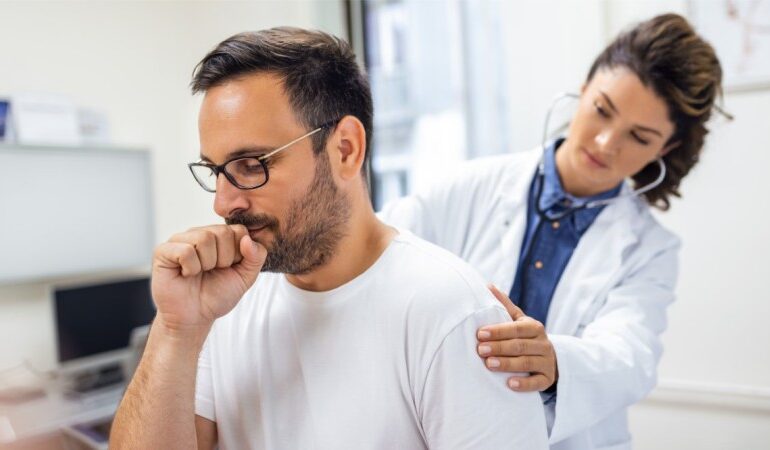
(575, 246)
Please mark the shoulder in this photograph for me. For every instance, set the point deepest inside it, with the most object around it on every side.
(442, 286)
(652, 250)
(653, 234)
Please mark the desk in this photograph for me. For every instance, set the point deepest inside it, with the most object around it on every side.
(48, 415)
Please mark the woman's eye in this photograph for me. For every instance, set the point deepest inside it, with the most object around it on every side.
(639, 139)
(601, 110)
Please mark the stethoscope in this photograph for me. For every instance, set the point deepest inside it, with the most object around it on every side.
(590, 204)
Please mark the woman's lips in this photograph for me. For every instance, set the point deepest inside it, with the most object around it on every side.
(597, 162)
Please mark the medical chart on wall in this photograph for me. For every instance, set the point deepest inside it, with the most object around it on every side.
(739, 30)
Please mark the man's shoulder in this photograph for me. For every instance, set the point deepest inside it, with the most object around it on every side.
(439, 281)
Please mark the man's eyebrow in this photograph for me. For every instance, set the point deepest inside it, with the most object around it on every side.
(640, 127)
(245, 151)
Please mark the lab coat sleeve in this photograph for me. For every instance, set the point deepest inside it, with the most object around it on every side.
(613, 364)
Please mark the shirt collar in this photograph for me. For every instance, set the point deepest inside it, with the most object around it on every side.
(554, 196)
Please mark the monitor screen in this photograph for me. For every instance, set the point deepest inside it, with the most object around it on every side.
(98, 212)
(99, 318)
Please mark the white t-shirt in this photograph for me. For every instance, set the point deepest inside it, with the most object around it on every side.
(386, 361)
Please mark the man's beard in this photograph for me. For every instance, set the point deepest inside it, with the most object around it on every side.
(314, 225)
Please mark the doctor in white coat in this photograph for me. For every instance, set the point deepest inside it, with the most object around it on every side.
(562, 230)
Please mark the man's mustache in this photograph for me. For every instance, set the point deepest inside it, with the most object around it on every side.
(252, 220)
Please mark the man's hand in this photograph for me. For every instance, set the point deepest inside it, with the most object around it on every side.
(201, 274)
(519, 346)
(197, 277)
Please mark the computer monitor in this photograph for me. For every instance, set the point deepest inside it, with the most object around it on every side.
(94, 322)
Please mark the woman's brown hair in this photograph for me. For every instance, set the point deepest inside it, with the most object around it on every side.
(683, 69)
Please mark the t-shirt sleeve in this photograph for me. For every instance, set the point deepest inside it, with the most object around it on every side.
(465, 405)
(204, 385)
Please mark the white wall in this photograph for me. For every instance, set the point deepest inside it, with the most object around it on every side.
(132, 60)
(549, 49)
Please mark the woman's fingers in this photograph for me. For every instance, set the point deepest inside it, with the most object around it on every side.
(522, 364)
(514, 311)
(514, 347)
(524, 327)
(533, 383)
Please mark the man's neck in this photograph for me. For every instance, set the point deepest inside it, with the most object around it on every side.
(364, 242)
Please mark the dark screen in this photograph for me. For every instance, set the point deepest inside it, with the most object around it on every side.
(99, 318)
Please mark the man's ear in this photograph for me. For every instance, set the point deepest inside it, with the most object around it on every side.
(347, 147)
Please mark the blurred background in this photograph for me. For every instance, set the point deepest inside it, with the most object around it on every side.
(102, 87)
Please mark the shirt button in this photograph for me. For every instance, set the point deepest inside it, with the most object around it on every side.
(538, 264)
(555, 225)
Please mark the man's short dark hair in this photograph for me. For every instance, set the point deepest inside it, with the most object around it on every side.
(319, 71)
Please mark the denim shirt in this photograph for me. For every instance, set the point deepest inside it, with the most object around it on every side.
(550, 248)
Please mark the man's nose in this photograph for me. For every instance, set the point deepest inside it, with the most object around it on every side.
(228, 198)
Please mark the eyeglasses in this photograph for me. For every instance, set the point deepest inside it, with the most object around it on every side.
(244, 172)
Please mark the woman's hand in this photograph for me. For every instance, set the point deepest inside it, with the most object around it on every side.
(519, 346)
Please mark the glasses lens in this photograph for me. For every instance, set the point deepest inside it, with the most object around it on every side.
(205, 177)
(247, 172)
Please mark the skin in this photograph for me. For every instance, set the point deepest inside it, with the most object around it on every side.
(620, 127)
(201, 274)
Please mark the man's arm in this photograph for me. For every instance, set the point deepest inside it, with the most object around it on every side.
(464, 405)
(197, 277)
(207, 433)
(158, 409)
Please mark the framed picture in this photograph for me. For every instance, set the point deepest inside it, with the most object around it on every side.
(739, 30)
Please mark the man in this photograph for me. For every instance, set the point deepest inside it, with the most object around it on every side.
(360, 336)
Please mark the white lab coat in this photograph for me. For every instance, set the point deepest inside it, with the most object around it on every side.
(608, 309)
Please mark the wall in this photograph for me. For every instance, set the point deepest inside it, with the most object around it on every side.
(132, 60)
(549, 47)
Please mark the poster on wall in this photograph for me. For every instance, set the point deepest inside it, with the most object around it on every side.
(739, 30)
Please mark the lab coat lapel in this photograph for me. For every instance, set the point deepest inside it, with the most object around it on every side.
(594, 266)
(513, 196)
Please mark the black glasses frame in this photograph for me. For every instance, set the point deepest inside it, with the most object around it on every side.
(262, 159)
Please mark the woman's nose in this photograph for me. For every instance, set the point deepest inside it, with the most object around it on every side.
(606, 141)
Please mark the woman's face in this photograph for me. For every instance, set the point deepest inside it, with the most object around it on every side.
(620, 127)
